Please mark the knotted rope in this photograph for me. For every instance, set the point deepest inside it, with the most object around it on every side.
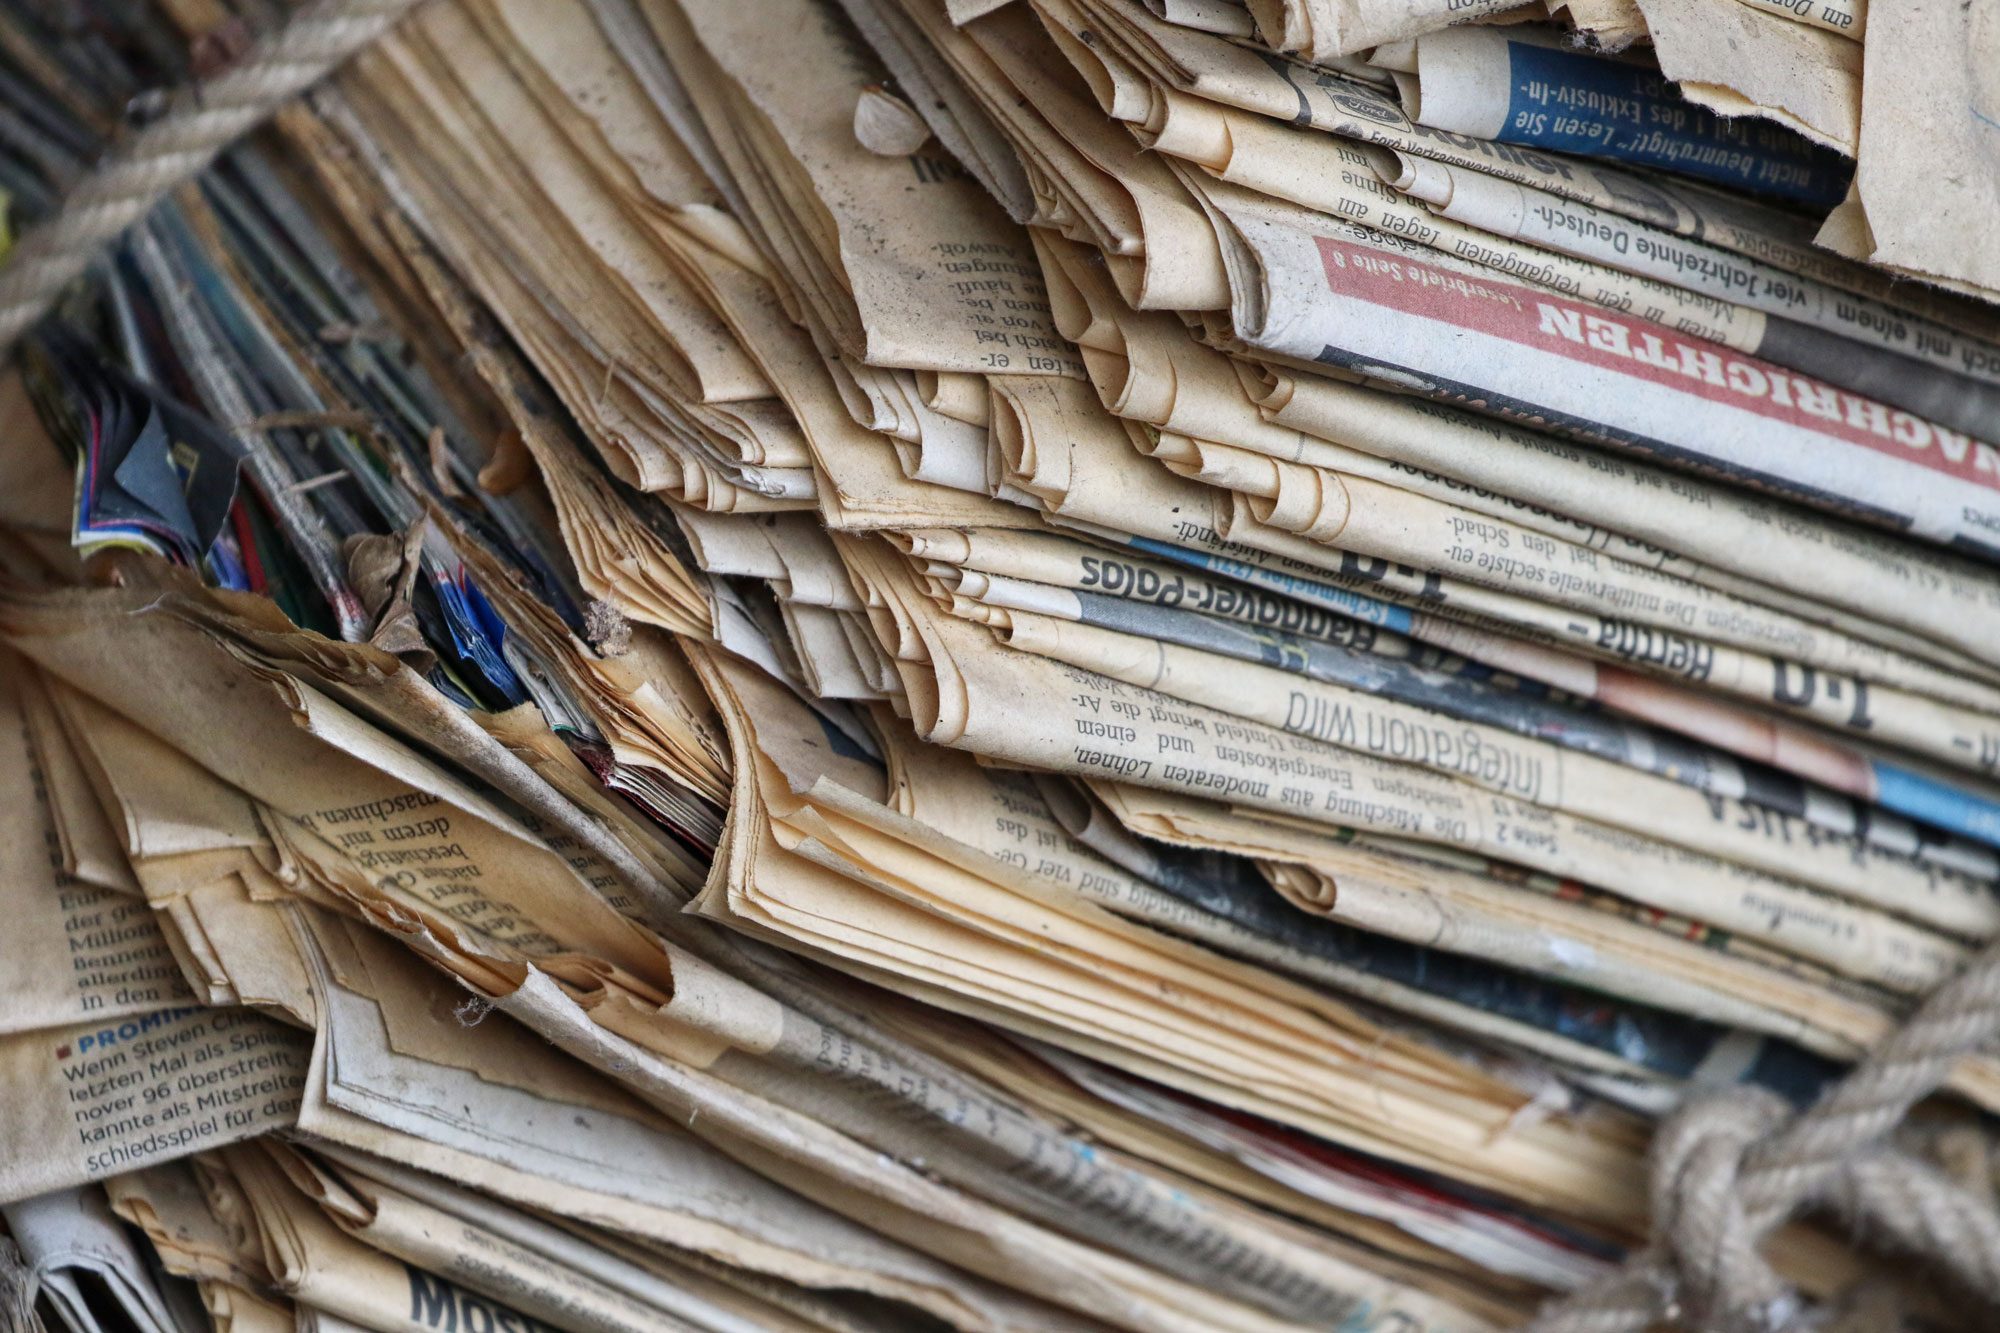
(1730, 1167)
(198, 124)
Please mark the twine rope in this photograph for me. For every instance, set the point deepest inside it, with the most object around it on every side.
(1729, 1167)
(199, 123)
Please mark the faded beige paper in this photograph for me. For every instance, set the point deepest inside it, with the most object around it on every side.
(1746, 59)
(96, 1099)
(1927, 80)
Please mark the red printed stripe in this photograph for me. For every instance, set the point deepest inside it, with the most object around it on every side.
(1643, 350)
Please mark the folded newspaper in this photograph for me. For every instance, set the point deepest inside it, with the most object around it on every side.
(996, 664)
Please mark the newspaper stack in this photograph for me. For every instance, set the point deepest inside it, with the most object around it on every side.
(1055, 664)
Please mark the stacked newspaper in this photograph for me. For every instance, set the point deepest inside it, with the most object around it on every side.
(1041, 664)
